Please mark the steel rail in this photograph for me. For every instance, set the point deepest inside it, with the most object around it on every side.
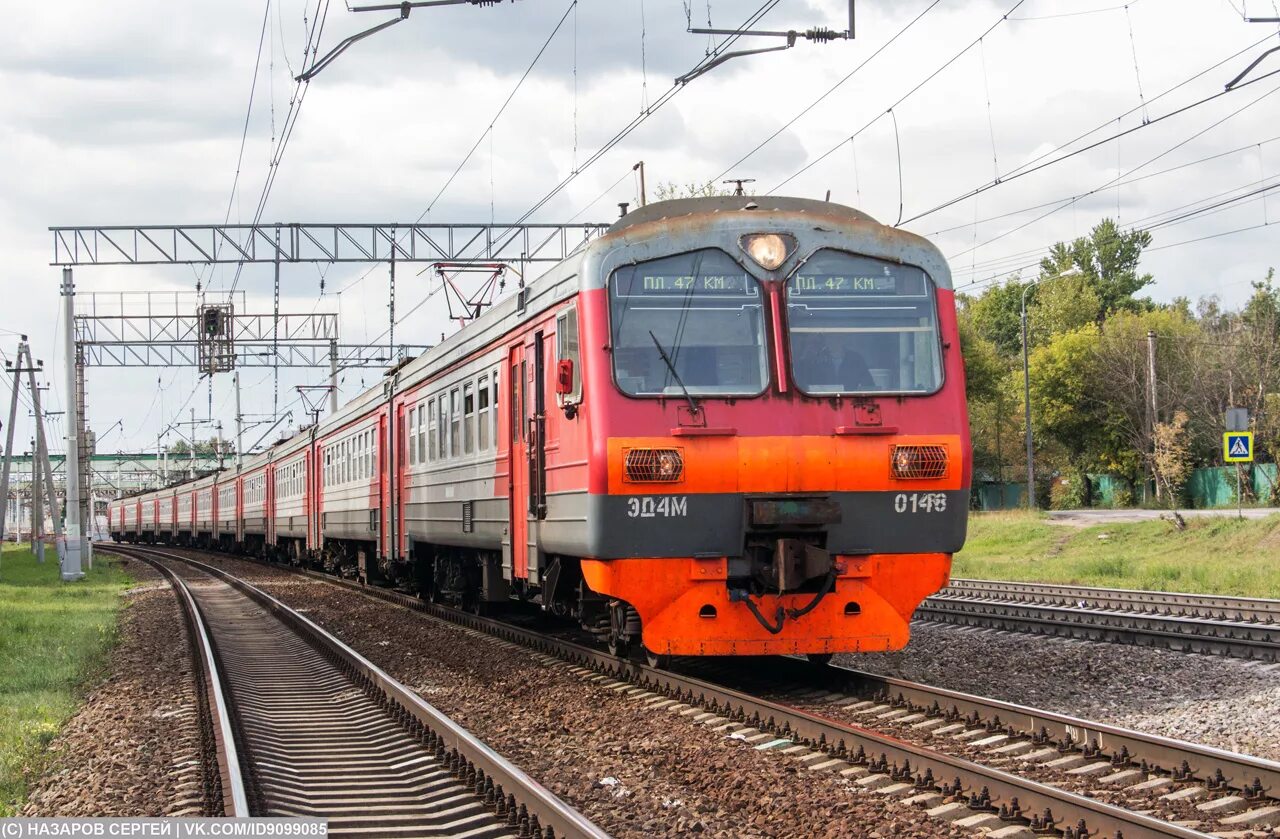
(468, 755)
(235, 802)
(1177, 604)
(987, 787)
(1233, 638)
(1177, 758)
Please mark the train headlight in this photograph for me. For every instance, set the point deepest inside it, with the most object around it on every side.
(768, 250)
(918, 462)
(653, 465)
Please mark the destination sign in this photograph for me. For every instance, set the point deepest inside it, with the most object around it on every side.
(810, 284)
(652, 284)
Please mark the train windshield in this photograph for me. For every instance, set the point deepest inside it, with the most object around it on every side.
(701, 311)
(862, 325)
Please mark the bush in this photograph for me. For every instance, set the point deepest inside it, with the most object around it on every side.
(1122, 498)
(1069, 492)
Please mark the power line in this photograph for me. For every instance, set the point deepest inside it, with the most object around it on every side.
(902, 99)
(492, 122)
(1035, 165)
(244, 133)
(1148, 222)
(301, 86)
(1004, 266)
(1078, 196)
(1140, 166)
(644, 115)
(828, 92)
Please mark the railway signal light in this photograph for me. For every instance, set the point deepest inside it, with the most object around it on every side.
(212, 321)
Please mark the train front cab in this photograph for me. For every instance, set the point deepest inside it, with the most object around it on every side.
(784, 462)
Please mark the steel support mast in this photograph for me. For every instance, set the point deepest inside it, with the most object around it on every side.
(74, 551)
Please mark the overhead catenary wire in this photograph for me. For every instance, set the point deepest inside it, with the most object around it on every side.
(492, 122)
(301, 86)
(244, 133)
(1126, 182)
(1142, 165)
(642, 117)
(901, 99)
(1040, 163)
(1010, 263)
(803, 111)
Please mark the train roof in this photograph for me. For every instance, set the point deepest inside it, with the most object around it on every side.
(649, 230)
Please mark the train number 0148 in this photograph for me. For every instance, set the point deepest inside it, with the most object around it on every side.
(664, 506)
(920, 502)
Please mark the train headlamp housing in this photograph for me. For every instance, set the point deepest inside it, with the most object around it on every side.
(663, 466)
(918, 463)
(768, 250)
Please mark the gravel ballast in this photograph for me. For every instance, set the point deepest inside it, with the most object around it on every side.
(635, 772)
(133, 747)
(1222, 702)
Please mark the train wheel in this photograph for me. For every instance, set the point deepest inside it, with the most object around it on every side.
(657, 660)
(619, 647)
(820, 659)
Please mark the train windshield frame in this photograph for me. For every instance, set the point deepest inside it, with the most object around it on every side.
(857, 325)
(701, 309)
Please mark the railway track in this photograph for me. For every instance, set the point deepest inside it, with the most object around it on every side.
(964, 756)
(1231, 626)
(318, 730)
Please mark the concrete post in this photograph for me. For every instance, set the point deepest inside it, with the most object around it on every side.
(71, 569)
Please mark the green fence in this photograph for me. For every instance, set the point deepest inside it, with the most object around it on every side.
(1207, 487)
(991, 495)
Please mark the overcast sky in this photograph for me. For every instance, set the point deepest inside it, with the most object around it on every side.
(132, 113)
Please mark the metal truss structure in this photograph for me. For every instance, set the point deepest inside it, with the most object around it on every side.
(210, 244)
(216, 339)
(173, 340)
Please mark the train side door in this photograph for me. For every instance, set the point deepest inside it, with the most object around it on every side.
(518, 465)
(381, 520)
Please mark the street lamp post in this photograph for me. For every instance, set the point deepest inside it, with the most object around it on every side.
(1026, 384)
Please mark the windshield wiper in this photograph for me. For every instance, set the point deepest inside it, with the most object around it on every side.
(693, 406)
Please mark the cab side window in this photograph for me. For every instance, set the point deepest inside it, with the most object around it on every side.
(567, 349)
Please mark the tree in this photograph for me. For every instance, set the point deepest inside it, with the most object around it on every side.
(1171, 460)
(694, 189)
(204, 448)
(986, 375)
(1062, 305)
(996, 315)
(1064, 403)
(1108, 261)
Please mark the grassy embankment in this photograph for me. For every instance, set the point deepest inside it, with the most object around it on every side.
(1214, 555)
(53, 640)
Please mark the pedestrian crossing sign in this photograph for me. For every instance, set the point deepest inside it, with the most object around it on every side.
(1237, 446)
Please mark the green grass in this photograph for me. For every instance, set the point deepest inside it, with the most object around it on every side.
(54, 638)
(1214, 555)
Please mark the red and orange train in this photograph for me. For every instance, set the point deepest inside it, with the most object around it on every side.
(730, 426)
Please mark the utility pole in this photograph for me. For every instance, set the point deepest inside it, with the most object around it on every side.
(192, 460)
(639, 167)
(8, 447)
(41, 469)
(71, 569)
(37, 508)
(1151, 397)
(41, 450)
